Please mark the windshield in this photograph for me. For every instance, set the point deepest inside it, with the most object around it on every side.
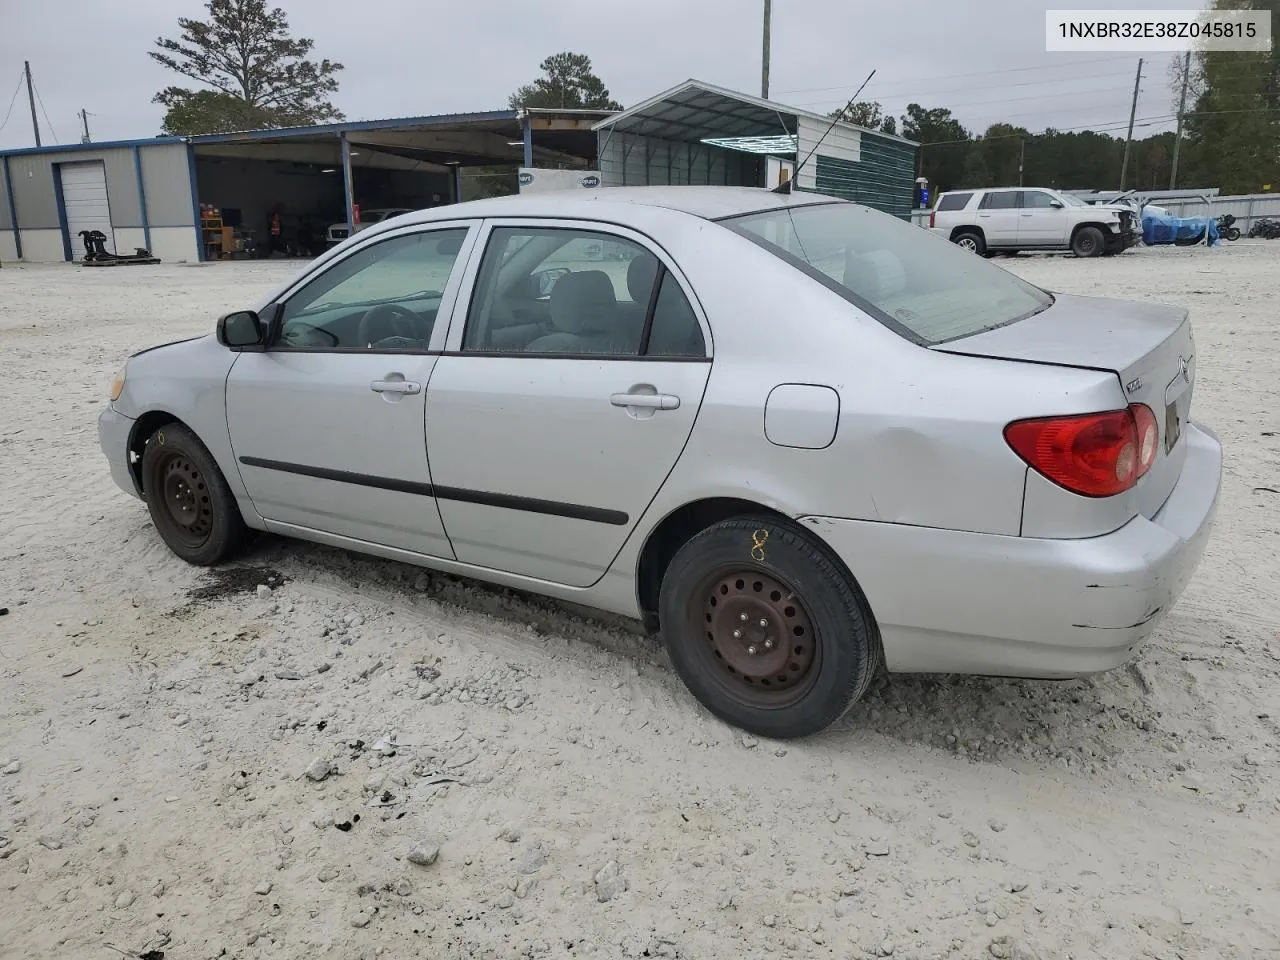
(919, 285)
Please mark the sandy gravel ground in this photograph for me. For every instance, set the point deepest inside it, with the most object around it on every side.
(564, 794)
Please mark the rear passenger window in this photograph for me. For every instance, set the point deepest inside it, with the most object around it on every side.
(675, 331)
(1000, 200)
(954, 201)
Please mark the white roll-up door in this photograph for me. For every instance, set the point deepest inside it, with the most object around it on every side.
(84, 196)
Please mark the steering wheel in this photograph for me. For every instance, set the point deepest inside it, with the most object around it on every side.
(388, 320)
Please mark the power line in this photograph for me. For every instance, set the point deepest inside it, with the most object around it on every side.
(984, 73)
(12, 101)
(985, 88)
(1038, 96)
(56, 138)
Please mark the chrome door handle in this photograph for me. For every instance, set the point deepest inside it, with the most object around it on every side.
(395, 386)
(650, 401)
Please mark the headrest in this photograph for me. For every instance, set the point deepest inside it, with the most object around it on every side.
(640, 276)
(875, 275)
(583, 301)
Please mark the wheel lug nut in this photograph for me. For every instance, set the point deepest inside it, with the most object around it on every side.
(737, 634)
(768, 644)
(764, 623)
(752, 650)
(742, 617)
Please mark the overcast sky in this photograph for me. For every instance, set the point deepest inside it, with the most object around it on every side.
(984, 59)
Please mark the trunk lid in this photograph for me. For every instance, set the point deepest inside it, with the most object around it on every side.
(1148, 346)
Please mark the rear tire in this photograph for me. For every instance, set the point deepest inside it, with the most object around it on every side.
(1088, 242)
(970, 240)
(766, 629)
(193, 509)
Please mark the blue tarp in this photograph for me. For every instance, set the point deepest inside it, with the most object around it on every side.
(1158, 228)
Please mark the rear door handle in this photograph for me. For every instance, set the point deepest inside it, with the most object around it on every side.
(649, 401)
(395, 386)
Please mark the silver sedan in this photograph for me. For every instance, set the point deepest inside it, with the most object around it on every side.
(798, 437)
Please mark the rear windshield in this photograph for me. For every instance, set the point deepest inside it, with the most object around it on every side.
(913, 281)
(953, 201)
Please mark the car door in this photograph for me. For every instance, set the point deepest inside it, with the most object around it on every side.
(998, 217)
(327, 422)
(563, 402)
(1040, 222)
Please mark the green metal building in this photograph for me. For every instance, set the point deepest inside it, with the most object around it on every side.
(698, 133)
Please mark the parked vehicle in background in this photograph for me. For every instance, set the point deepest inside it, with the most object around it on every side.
(1009, 219)
(338, 231)
(936, 466)
(1265, 228)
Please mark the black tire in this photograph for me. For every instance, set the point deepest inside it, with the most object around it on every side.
(1088, 242)
(1233, 233)
(773, 570)
(972, 241)
(191, 505)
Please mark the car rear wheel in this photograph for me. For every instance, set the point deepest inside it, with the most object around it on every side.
(971, 241)
(766, 628)
(1088, 242)
(190, 503)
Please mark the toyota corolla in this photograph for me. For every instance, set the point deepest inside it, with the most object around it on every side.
(797, 437)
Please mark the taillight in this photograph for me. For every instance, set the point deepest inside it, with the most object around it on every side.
(1092, 454)
(933, 217)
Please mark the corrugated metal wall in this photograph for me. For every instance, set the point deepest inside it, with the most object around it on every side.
(884, 177)
(629, 160)
(166, 180)
(166, 176)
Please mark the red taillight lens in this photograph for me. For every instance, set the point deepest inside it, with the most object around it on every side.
(933, 217)
(1093, 454)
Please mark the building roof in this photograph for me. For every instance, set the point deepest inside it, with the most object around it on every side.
(695, 109)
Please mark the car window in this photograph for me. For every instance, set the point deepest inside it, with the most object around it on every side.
(383, 297)
(674, 331)
(561, 291)
(1036, 200)
(999, 200)
(953, 201)
(909, 279)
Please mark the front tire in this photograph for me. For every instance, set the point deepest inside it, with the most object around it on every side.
(1088, 242)
(766, 629)
(193, 509)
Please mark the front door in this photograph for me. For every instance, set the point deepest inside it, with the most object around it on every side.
(327, 423)
(1040, 223)
(998, 217)
(556, 414)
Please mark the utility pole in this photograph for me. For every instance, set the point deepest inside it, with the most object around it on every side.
(1128, 140)
(1182, 106)
(1022, 157)
(764, 61)
(31, 97)
(84, 117)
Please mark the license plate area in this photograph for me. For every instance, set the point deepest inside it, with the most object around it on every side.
(1172, 426)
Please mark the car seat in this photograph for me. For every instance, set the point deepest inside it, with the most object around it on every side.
(584, 313)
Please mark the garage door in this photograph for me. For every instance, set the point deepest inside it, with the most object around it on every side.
(84, 196)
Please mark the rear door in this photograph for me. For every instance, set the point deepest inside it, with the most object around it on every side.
(998, 217)
(559, 408)
(1040, 223)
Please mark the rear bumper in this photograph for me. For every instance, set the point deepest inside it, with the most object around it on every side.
(114, 429)
(955, 602)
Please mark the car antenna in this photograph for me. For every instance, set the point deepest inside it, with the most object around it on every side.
(785, 186)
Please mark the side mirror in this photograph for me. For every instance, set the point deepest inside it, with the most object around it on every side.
(1057, 204)
(240, 330)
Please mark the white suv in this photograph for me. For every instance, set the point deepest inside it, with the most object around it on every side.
(1010, 219)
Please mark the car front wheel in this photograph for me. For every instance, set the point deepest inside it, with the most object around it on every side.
(191, 505)
(1088, 242)
(766, 628)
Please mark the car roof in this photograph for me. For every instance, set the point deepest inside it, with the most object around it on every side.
(709, 203)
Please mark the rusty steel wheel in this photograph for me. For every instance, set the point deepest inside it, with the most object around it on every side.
(760, 634)
(193, 509)
(766, 626)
